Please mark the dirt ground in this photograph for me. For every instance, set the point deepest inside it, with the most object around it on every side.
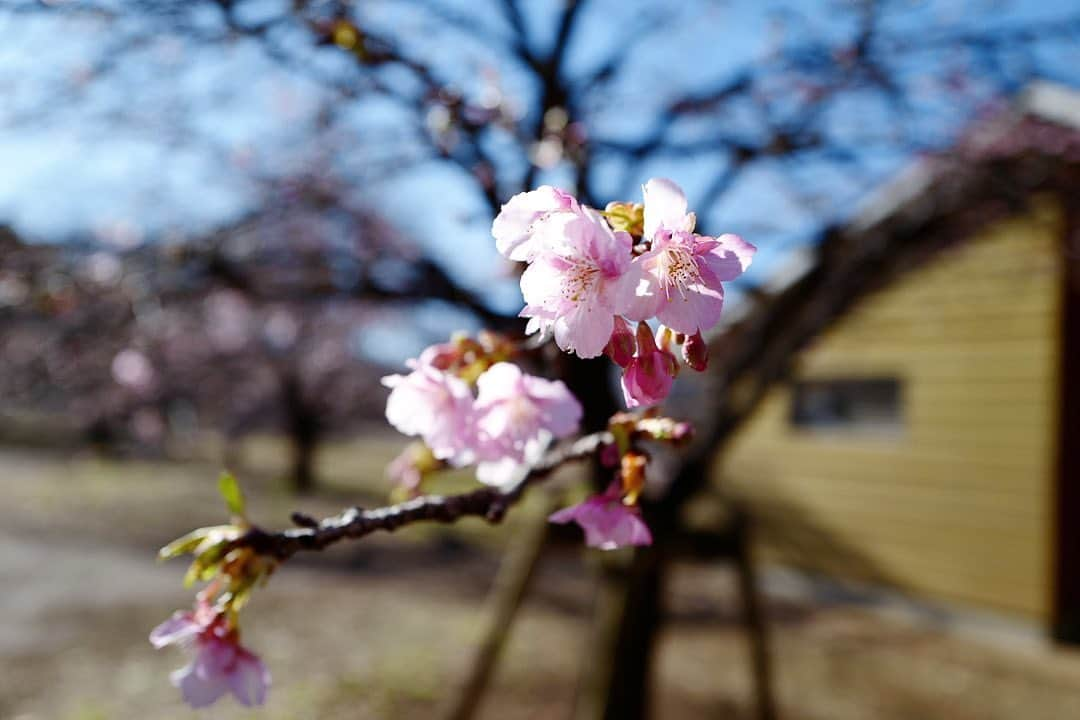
(383, 629)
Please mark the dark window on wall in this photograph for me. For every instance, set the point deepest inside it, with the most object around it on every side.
(860, 405)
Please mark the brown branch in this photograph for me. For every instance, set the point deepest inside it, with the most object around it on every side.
(488, 503)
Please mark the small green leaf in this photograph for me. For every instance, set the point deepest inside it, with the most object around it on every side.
(230, 491)
(198, 540)
(185, 544)
(192, 574)
(200, 572)
(207, 562)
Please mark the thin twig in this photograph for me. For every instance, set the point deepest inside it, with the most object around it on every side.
(488, 503)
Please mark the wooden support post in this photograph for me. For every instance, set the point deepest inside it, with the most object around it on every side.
(617, 682)
(753, 614)
(504, 601)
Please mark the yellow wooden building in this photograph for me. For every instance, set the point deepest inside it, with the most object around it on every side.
(920, 440)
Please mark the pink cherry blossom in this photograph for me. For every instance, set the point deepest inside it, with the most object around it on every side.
(220, 664)
(516, 417)
(574, 286)
(682, 272)
(607, 522)
(515, 224)
(648, 377)
(689, 269)
(435, 406)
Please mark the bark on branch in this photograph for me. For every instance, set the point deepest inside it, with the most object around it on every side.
(488, 503)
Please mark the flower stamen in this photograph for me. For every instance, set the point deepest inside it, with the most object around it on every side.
(677, 269)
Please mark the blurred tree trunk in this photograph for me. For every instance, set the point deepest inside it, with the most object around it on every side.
(592, 384)
(102, 437)
(302, 465)
(302, 427)
(632, 626)
(753, 615)
(630, 694)
(617, 683)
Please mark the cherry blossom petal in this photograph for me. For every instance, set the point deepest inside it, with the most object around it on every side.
(585, 330)
(514, 226)
(508, 470)
(542, 286)
(738, 247)
(665, 206)
(637, 295)
(561, 411)
(698, 309)
(249, 680)
(198, 690)
(498, 473)
(180, 628)
(629, 531)
(729, 258)
(608, 524)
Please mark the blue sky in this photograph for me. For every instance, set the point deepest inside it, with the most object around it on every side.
(165, 141)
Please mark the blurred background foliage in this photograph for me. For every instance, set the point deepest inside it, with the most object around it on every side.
(225, 219)
(222, 214)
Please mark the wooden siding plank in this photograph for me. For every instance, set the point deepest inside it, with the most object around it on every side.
(957, 503)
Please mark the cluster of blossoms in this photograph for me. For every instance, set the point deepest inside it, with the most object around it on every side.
(591, 272)
(594, 282)
(506, 425)
(597, 282)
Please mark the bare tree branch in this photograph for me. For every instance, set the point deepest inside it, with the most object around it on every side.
(488, 503)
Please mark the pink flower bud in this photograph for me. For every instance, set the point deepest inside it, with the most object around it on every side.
(609, 455)
(682, 431)
(408, 469)
(441, 356)
(620, 347)
(695, 352)
(648, 377)
(645, 339)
